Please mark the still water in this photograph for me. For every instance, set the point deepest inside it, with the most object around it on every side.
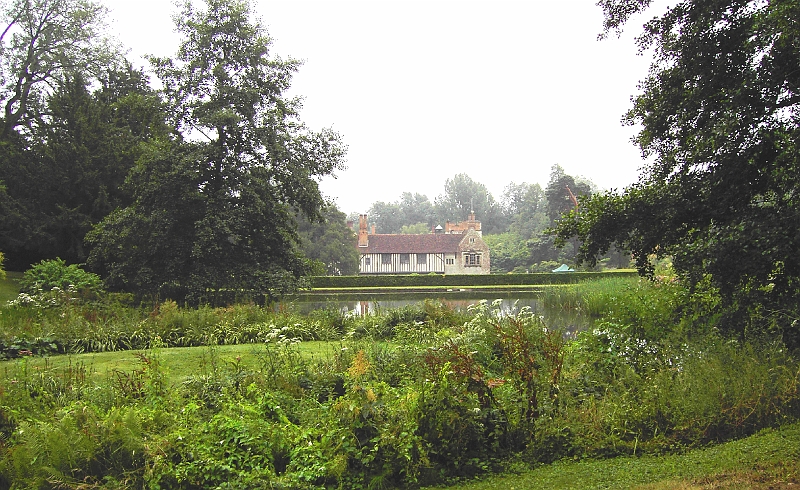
(508, 303)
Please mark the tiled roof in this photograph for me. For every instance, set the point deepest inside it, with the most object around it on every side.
(432, 243)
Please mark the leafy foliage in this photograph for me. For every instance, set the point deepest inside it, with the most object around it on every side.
(415, 229)
(57, 176)
(410, 210)
(719, 113)
(49, 274)
(329, 243)
(216, 215)
(562, 191)
(43, 42)
(525, 206)
(451, 397)
(67, 174)
(462, 196)
(509, 252)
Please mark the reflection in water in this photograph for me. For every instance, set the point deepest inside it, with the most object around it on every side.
(568, 321)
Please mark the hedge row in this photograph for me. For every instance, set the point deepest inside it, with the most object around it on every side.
(434, 280)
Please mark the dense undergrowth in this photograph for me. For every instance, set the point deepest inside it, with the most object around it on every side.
(451, 395)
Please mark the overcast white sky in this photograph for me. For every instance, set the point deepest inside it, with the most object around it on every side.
(423, 90)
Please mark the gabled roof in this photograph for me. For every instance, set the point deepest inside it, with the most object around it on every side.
(432, 243)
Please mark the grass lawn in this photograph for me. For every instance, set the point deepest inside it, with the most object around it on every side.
(177, 363)
(767, 460)
(9, 287)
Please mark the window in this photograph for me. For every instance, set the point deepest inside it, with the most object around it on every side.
(422, 259)
(386, 259)
(471, 239)
(472, 260)
(366, 261)
(405, 259)
(450, 261)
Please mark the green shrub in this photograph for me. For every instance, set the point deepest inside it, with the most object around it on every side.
(50, 274)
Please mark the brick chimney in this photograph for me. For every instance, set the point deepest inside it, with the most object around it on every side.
(363, 237)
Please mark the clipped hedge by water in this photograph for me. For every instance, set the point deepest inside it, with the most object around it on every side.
(440, 280)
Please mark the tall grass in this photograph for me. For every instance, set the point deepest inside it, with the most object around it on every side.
(645, 308)
(9, 287)
(592, 298)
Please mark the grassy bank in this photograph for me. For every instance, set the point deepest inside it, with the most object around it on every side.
(767, 460)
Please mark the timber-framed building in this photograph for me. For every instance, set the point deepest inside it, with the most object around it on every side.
(455, 249)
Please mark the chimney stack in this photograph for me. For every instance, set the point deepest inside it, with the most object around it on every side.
(363, 238)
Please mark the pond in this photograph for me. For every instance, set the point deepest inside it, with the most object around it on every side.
(373, 303)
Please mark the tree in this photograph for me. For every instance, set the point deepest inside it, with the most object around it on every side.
(329, 243)
(462, 195)
(387, 217)
(509, 252)
(525, 207)
(410, 210)
(417, 208)
(561, 192)
(214, 211)
(416, 229)
(720, 118)
(43, 42)
(66, 173)
(561, 197)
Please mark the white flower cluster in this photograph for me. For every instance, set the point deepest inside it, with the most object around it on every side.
(281, 336)
(45, 299)
(637, 351)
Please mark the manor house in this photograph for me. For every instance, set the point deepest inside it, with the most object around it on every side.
(455, 249)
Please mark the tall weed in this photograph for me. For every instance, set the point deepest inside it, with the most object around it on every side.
(623, 394)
